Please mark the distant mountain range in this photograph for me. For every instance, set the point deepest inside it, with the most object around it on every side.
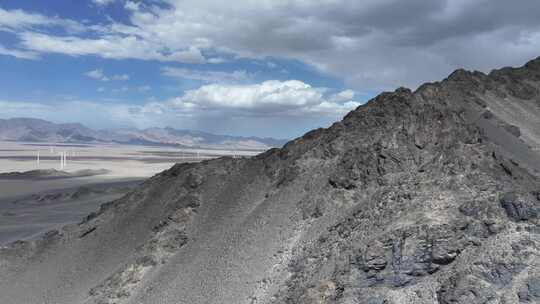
(37, 130)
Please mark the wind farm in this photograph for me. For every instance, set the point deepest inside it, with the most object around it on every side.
(147, 160)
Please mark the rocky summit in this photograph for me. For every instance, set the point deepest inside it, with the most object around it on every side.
(431, 196)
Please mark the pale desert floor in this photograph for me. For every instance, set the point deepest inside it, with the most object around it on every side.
(121, 160)
(31, 207)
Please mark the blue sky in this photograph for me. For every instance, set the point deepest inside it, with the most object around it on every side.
(264, 68)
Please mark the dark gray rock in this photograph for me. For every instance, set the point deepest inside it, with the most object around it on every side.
(487, 115)
(517, 209)
(194, 180)
(530, 292)
(499, 274)
(533, 286)
(514, 130)
(466, 289)
(374, 258)
(375, 300)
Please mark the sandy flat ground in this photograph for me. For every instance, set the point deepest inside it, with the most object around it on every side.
(123, 161)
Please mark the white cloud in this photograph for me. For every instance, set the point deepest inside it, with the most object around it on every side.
(132, 6)
(103, 2)
(139, 89)
(121, 77)
(18, 53)
(187, 55)
(109, 46)
(99, 75)
(342, 96)
(216, 60)
(206, 76)
(96, 74)
(271, 93)
(329, 108)
(16, 21)
(272, 97)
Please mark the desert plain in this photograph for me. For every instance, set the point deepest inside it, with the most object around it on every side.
(43, 193)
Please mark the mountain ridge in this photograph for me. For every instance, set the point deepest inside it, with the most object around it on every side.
(39, 130)
(428, 197)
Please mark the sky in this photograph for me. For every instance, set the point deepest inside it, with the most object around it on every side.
(248, 67)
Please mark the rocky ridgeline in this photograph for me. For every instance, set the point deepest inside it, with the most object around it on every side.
(415, 197)
(440, 217)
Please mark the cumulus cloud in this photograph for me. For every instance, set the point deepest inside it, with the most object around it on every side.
(271, 97)
(99, 75)
(206, 76)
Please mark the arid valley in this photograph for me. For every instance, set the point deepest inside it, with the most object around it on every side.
(39, 193)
